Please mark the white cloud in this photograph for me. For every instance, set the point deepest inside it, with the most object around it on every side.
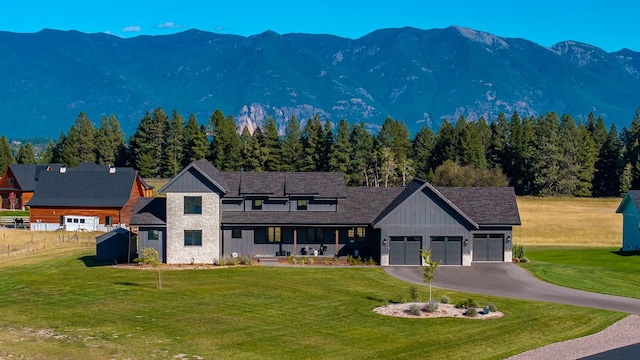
(171, 25)
(132, 28)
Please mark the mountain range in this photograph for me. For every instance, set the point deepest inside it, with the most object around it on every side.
(418, 76)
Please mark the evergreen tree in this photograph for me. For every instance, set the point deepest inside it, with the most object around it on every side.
(422, 154)
(85, 144)
(109, 140)
(148, 142)
(174, 146)
(324, 150)
(292, 146)
(225, 150)
(394, 136)
(196, 141)
(272, 146)
(251, 152)
(360, 168)
(46, 155)
(26, 154)
(340, 155)
(609, 167)
(6, 155)
(312, 138)
(497, 154)
(446, 143)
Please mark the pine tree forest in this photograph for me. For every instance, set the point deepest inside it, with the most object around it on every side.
(548, 155)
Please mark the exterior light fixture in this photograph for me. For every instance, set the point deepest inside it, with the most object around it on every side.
(466, 242)
(384, 242)
(508, 238)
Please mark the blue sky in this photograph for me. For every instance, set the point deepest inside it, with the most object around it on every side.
(608, 24)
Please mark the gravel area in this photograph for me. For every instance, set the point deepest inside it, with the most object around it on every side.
(623, 333)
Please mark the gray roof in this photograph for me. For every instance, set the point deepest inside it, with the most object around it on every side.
(631, 195)
(27, 174)
(485, 205)
(150, 211)
(360, 207)
(95, 187)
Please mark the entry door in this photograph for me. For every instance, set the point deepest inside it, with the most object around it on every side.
(405, 250)
(488, 247)
(447, 249)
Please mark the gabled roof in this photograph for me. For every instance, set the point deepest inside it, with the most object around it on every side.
(150, 211)
(487, 206)
(632, 196)
(415, 186)
(27, 174)
(80, 188)
(360, 207)
(205, 169)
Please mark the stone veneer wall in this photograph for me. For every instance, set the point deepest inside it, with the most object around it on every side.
(178, 222)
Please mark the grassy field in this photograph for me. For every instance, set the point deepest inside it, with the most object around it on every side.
(569, 221)
(58, 304)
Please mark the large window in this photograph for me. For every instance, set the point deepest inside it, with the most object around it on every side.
(153, 234)
(236, 233)
(193, 238)
(274, 234)
(315, 235)
(193, 205)
(257, 204)
(357, 234)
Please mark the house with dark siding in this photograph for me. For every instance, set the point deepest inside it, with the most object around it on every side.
(208, 214)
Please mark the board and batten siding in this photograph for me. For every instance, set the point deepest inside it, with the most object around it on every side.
(423, 214)
(158, 245)
(630, 227)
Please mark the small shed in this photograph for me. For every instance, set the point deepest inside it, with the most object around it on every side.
(629, 208)
(118, 246)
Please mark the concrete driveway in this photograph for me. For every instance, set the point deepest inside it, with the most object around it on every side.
(509, 280)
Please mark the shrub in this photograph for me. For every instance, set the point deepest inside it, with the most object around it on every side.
(471, 303)
(462, 304)
(325, 260)
(404, 298)
(302, 261)
(354, 260)
(524, 259)
(291, 259)
(414, 294)
(414, 310)
(245, 260)
(471, 312)
(431, 307)
(311, 261)
(492, 307)
(444, 299)
(336, 260)
(517, 251)
(370, 261)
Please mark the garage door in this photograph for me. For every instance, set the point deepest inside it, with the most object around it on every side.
(405, 250)
(447, 249)
(488, 247)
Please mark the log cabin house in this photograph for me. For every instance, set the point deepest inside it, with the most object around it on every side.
(89, 190)
(21, 179)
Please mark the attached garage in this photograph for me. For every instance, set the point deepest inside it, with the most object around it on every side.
(447, 249)
(488, 247)
(405, 250)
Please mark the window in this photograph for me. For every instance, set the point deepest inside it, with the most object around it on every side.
(236, 233)
(257, 204)
(193, 204)
(315, 235)
(357, 234)
(153, 234)
(274, 234)
(108, 220)
(302, 204)
(193, 238)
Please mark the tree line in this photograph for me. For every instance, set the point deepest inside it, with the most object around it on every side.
(548, 155)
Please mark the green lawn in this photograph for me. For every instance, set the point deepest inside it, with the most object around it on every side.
(596, 269)
(56, 304)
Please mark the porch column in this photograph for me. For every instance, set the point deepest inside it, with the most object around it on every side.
(336, 242)
(295, 241)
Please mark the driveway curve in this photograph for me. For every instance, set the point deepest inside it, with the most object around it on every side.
(509, 280)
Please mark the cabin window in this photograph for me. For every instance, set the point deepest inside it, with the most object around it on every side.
(193, 204)
(193, 238)
(274, 234)
(257, 204)
(236, 233)
(153, 234)
(302, 204)
(108, 220)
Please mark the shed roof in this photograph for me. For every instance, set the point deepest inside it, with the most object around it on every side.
(633, 197)
(84, 188)
(150, 211)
